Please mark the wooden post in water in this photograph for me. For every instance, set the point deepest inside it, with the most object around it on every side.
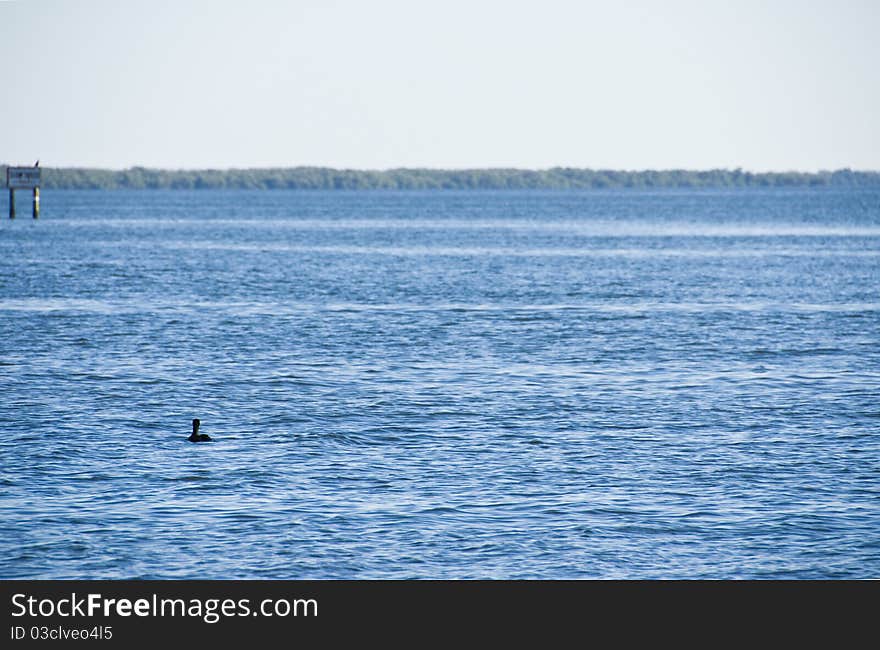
(36, 202)
(12, 203)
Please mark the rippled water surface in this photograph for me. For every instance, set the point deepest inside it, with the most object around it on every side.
(677, 384)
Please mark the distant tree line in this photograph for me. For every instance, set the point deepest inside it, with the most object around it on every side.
(324, 178)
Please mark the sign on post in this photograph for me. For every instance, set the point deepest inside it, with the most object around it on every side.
(22, 178)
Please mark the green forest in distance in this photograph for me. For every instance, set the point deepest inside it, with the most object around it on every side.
(325, 178)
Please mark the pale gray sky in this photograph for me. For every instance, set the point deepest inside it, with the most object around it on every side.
(373, 84)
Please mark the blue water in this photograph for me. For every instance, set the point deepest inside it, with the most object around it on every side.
(674, 384)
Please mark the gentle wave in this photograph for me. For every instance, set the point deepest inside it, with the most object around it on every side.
(587, 227)
(134, 306)
(509, 251)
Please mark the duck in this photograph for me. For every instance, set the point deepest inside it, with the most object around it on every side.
(196, 436)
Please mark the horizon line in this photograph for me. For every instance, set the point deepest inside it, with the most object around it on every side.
(631, 170)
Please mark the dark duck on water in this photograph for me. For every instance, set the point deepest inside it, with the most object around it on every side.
(196, 436)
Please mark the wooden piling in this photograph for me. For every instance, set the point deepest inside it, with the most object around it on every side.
(11, 203)
(36, 202)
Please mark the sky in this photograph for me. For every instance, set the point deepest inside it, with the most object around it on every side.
(375, 84)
